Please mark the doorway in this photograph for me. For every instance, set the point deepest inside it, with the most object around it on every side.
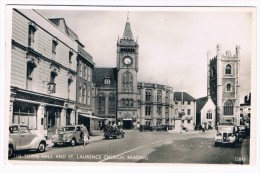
(127, 124)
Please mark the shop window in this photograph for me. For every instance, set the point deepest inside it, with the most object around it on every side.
(26, 114)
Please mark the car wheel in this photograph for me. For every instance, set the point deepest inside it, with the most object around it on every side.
(115, 136)
(73, 142)
(10, 151)
(42, 147)
(55, 145)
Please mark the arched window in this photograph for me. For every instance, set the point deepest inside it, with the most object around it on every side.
(228, 108)
(228, 69)
(112, 104)
(31, 34)
(228, 87)
(127, 82)
(101, 104)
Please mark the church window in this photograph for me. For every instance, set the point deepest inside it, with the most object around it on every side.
(228, 108)
(127, 83)
(228, 87)
(209, 114)
(111, 104)
(101, 104)
(228, 69)
(107, 81)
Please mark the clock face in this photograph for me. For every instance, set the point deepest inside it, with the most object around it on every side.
(127, 61)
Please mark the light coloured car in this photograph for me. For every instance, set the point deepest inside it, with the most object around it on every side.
(69, 135)
(21, 138)
(225, 135)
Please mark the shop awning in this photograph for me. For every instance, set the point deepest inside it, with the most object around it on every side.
(91, 116)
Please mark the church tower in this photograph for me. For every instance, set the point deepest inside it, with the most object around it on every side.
(223, 84)
(127, 68)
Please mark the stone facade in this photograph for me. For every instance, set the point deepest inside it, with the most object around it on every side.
(223, 84)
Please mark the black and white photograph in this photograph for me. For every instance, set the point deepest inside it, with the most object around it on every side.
(134, 85)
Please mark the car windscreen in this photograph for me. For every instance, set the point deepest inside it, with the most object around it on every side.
(69, 128)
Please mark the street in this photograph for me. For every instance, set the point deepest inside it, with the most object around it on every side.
(145, 147)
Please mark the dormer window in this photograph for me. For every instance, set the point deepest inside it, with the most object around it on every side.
(107, 81)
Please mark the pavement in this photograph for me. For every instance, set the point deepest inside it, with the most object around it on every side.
(97, 135)
(245, 151)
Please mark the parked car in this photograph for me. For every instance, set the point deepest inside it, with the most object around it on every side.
(69, 135)
(21, 138)
(113, 131)
(146, 127)
(226, 135)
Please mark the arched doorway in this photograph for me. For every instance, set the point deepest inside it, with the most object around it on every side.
(127, 122)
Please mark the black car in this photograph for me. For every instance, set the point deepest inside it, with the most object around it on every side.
(111, 131)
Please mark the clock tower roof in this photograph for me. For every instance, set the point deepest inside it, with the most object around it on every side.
(127, 32)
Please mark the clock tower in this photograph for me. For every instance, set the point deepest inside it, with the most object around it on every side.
(127, 68)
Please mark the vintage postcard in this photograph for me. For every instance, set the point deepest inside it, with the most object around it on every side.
(100, 85)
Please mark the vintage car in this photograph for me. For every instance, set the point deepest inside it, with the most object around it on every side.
(226, 135)
(69, 135)
(113, 132)
(21, 138)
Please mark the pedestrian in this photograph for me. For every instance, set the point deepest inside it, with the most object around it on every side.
(203, 128)
(85, 135)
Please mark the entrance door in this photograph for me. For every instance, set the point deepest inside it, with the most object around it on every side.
(127, 124)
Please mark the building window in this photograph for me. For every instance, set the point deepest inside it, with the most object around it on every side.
(84, 72)
(80, 93)
(89, 73)
(127, 102)
(70, 80)
(31, 34)
(88, 98)
(29, 74)
(188, 112)
(54, 47)
(70, 56)
(209, 114)
(52, 83)
(188, 102)
(148, 95)
(167, 113)
(148, 110)
(167, 97)
(80, 69)
(159, 111)
(188, 121)
(228, 87)
(228, 69)
(84, 93)
(228, 108)
(112, 104)
(159, 96)
(101, 104)
(127, 82)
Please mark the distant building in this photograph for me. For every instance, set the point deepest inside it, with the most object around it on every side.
(245, 110)
(205, 112)
(185, 109)
(224, 85)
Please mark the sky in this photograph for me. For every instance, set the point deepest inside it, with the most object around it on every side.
(173, 43)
